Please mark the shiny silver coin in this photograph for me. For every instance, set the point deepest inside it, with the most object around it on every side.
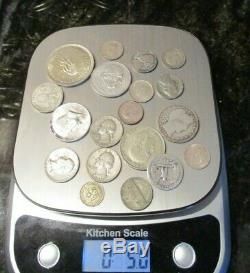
(141, 91)
(139, 144)
(92, 194)
(112, 50)
(111, 79)
(47, 97)
(70, 122)
(70, 64)
(106, 131)
(130, 112)
(62, 165)
(136, 193)
(178, 123)
(144, 62)
(165, 172)
(174, 58)
(103, 165)
(169, 86)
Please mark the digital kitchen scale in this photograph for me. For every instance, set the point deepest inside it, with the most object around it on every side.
(186, 229)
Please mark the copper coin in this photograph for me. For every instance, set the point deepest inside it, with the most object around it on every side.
(130, 112)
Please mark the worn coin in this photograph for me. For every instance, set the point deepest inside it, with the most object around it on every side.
(92, 194)
(111, 79)
(139, 144)
(174, 58)
(70, 64)
(130, 112)
(178, 123)
(112, 50)
(103, 165)
(136, 193)
(47, 97)
(62, 165)
(144, 62)
(165, 172)
(106, 131)
(141, 91)
(70, 122)
(197, 156)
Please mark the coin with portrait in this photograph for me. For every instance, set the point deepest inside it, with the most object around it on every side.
(174, 58)
(144, 61)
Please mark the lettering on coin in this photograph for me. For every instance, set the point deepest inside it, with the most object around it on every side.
(92, 194)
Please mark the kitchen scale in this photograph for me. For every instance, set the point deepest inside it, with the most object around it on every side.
(186, 229)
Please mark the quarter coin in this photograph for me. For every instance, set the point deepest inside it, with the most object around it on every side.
(141, 91)
(92, 194)
(174, 58)
(130, 112)
(144, 62)
(112, 50)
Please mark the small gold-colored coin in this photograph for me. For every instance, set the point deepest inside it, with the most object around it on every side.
(92, 194)
(112, 50)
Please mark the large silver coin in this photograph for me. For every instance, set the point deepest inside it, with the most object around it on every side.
(92, 194)
(47, 97)
(62, 165)
(165, 172)
(130, 112)
(70, 64)
(112, 50)
(141, 91)
(136, 193)
(139, 144)
(103, 165)
(106, 131)
(174, 58)
(70, 122)
(111, 79)
(144, 62)
(178, 123)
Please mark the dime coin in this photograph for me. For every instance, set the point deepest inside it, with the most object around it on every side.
(106, 131)
(178, 123)
(92, 194)
(70, 122)
(141, 91)
(136, 193)
(111, 79)
(139, 144)
(103, 165)
(197, 156)
(70, 64)
(112, 50)
(130, 112)
(47, 97)
(165, 172)
(169, 86)
(144, 62)
(174, 58)
(62, 165)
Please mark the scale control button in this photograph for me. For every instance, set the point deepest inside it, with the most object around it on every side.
(184, 255)
(48, 255)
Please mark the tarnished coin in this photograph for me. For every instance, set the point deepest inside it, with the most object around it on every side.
(62, 165)
(136, 193)
(165, 172)
(144, 62)
(92, 194)
(197, 156)
(112, 50)
(178, 123)
(139, 144)
(70, 64)
(106, 131)
(174, 58)
(70, 122)
(103, 165)
(141, 91)
(130, 112)
(111, 79)
(47, 97)
(169, 86)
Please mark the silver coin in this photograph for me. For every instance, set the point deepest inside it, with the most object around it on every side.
(139, 144)
(144, 62)
(141, 91)
(70, 122)
(70, 64)
(136, 193)
(174, 58)
(130, 112)
(47, 97)
(92, 194)
(111, 79)
(106, 131)
(112, 50)
(103, 165)
(169, 86)
(62, 165)
(178, 123)
(197, 156)
(165, 172)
